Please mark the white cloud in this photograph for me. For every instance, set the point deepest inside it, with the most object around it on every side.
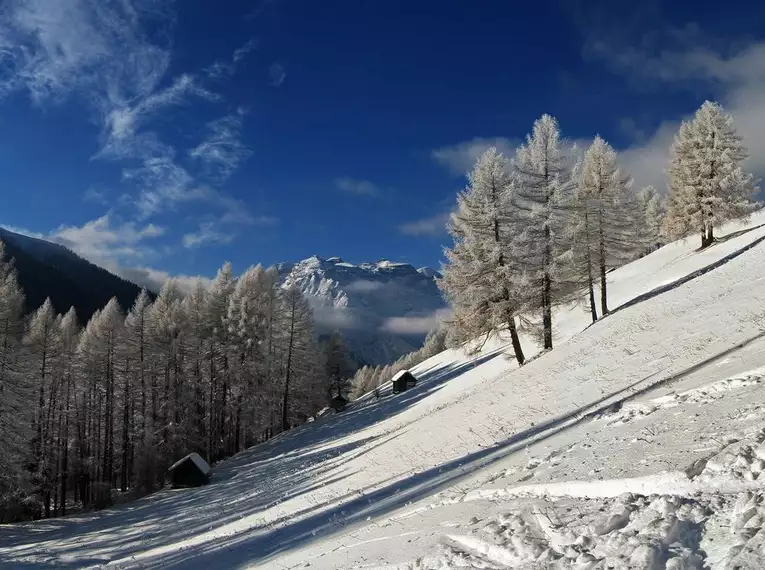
(277, 73)
(117, 248)
(737, 76)
(207, 234)
(331, 317)
(122, 119)
(224, 228)
(416, 325)
(115, 55)
(222, 69)
(434, 226)
(104, 242)
(162, 183)
(153, 279)
(358, 187)
(363, 286)
(461, 158)
(222, 152)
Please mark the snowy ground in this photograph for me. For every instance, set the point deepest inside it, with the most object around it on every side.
(637, 443)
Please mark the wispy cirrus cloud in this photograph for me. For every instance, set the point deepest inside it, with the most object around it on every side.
(114, 55)
(224, 229)
(207, 234)
(123, 119)
(277, 73)
(222, 151)
(358, 187)
(225, 68)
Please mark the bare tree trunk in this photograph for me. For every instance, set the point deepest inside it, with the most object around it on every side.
(65, 447)
(516, 341)
(125, 430)
(547, 295)
(602, 260)
(211, 407)
(285, 399)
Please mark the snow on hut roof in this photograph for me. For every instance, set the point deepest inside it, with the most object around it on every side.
(201, 464)
(399, 375)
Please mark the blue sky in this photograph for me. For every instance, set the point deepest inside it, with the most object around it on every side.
(159, 138)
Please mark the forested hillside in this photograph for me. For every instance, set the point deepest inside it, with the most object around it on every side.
(104, 406)
(49, 270)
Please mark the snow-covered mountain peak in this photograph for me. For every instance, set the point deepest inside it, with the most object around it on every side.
(429, 272)
(383, 307)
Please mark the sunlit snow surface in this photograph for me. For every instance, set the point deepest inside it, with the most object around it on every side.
(638, 442)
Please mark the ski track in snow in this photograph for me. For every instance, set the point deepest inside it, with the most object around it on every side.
(637, 443)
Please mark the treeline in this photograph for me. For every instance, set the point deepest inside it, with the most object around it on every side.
(87, 412)
(534, 231)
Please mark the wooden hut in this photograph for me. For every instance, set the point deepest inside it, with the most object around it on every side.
(191, 471)
(402, 381)
(338, 403)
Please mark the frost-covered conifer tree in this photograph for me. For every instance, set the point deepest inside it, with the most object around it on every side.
(197, 332)
(340, 366)
(479, 279)
(653, 207)
(707, 184)
(248, 329)
(15, 391)
(607, 215)
(41, 342)
(68, 332)
(165, 334)
(216, 358)
(135, 353)
(300, 351)
(544, 169)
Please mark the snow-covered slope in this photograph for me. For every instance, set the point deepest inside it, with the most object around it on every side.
(384, 308)
(638, 442)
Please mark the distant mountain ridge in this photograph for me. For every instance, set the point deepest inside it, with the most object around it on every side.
(384, 308)
(48, 269)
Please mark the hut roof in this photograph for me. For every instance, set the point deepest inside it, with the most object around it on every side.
(200, 463)
(398, 375)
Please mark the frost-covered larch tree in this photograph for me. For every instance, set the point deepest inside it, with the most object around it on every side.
(134, 351)
(479, 280)
(41, 342)
(15, 390)
(216, 357)
(339, 364)
(544, 168)
(300, 350)
(197, 331)
(69, 333)
(165, 333)
(608, 214)
(707, 184)
(653, 208)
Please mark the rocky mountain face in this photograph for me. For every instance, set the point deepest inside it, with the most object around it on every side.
(384, 308)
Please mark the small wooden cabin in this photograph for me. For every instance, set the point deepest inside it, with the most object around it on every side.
(402, 381)
(191, 471)
(338, 403)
